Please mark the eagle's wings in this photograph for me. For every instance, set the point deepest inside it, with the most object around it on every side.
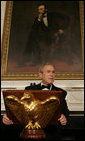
(17, 109)
(47, 110)
(36, 110)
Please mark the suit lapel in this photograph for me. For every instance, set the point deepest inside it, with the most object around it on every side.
(39, 86)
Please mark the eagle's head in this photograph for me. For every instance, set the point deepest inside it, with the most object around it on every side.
(27, 97)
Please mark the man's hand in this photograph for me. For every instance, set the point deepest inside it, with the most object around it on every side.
(6, 120)
(62, 120)
(60, 31)
(40, 16)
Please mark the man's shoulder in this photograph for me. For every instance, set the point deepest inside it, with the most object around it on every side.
(59, 89)
(32, 86)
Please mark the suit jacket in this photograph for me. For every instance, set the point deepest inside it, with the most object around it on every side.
(45, 33)
(64, 107)
(41, 33)
(55, 21)
(41, 37)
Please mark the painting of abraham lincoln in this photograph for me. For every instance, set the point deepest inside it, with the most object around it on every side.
(31, 44)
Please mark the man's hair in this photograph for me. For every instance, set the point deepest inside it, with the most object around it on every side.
(42, 66)
(42, 4)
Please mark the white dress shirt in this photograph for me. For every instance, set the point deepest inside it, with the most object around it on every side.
(45, 19)
(46, 88)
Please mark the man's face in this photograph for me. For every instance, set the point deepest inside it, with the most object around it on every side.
(48, 74)
(41, 9)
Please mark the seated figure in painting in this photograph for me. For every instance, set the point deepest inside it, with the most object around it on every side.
(46, 34)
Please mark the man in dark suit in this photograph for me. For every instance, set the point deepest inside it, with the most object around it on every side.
(46, 32)
(46, 25)
(47, 74)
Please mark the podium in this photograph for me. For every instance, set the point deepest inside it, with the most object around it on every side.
(20, 109)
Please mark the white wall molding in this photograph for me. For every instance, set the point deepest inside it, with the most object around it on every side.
(74, 88)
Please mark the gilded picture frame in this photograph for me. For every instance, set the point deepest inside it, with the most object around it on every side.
(11, 72)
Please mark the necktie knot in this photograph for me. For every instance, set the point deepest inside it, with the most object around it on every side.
(43, 86)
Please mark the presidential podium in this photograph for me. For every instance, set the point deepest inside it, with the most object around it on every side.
(38, 94)
(35, 109)
(69, 132)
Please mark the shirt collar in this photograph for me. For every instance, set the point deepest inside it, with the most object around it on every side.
(50, 85)
(45, 15)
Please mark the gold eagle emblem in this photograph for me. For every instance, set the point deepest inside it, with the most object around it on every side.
(32, 112)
